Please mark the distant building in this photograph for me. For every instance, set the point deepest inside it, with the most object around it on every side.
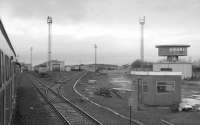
(68, 68)
(172, 62)
(55, 65)
(91, 67)
(196, 72)
(86, 67)
(25, 67)
(139, 65)
(157, 88)
(75, 68)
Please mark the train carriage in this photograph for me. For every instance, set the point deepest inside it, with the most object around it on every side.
(7, 74)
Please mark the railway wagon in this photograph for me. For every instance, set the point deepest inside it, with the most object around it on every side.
(7, 78)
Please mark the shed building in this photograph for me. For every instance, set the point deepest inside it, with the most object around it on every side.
(184, 67)
(68, 68)
(157, 88)
(57, 65)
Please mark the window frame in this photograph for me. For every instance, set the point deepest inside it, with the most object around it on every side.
(166, 92)
(166, 69)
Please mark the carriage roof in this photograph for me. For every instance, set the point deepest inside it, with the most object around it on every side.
(5, 43)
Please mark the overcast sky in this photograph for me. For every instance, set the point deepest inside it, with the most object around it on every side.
(111, 24)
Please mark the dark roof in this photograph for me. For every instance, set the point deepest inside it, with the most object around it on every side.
(172, 45)
(6, 36)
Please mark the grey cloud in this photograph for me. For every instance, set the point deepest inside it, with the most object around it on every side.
(73, 10)
(162, 17)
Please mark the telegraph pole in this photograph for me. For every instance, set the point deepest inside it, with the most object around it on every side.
(49, 22)
(142, 22)
(31, 58)
(95, 57)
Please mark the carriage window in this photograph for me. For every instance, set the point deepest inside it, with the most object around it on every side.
(0, 70)
(165, 86)
(9, 67)
(4, 68)
(6, 63)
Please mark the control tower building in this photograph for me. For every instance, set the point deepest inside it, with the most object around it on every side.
(172, 61)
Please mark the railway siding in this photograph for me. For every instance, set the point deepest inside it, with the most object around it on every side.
(101, 106)
(66, 89)
(71, 113)
(104, 116)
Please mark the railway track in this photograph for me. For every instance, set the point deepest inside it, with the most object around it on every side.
(66, 110)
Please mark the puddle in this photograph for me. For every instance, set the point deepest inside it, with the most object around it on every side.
(191, 101)
(191, 93)
(193, 98)
(197, 97)
(120, 82)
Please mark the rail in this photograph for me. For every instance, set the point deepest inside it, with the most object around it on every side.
(164, 122)
(52, 106)
(88, 117)
(101, 106)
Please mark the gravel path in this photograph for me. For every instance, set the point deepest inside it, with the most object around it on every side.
(31, 108)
